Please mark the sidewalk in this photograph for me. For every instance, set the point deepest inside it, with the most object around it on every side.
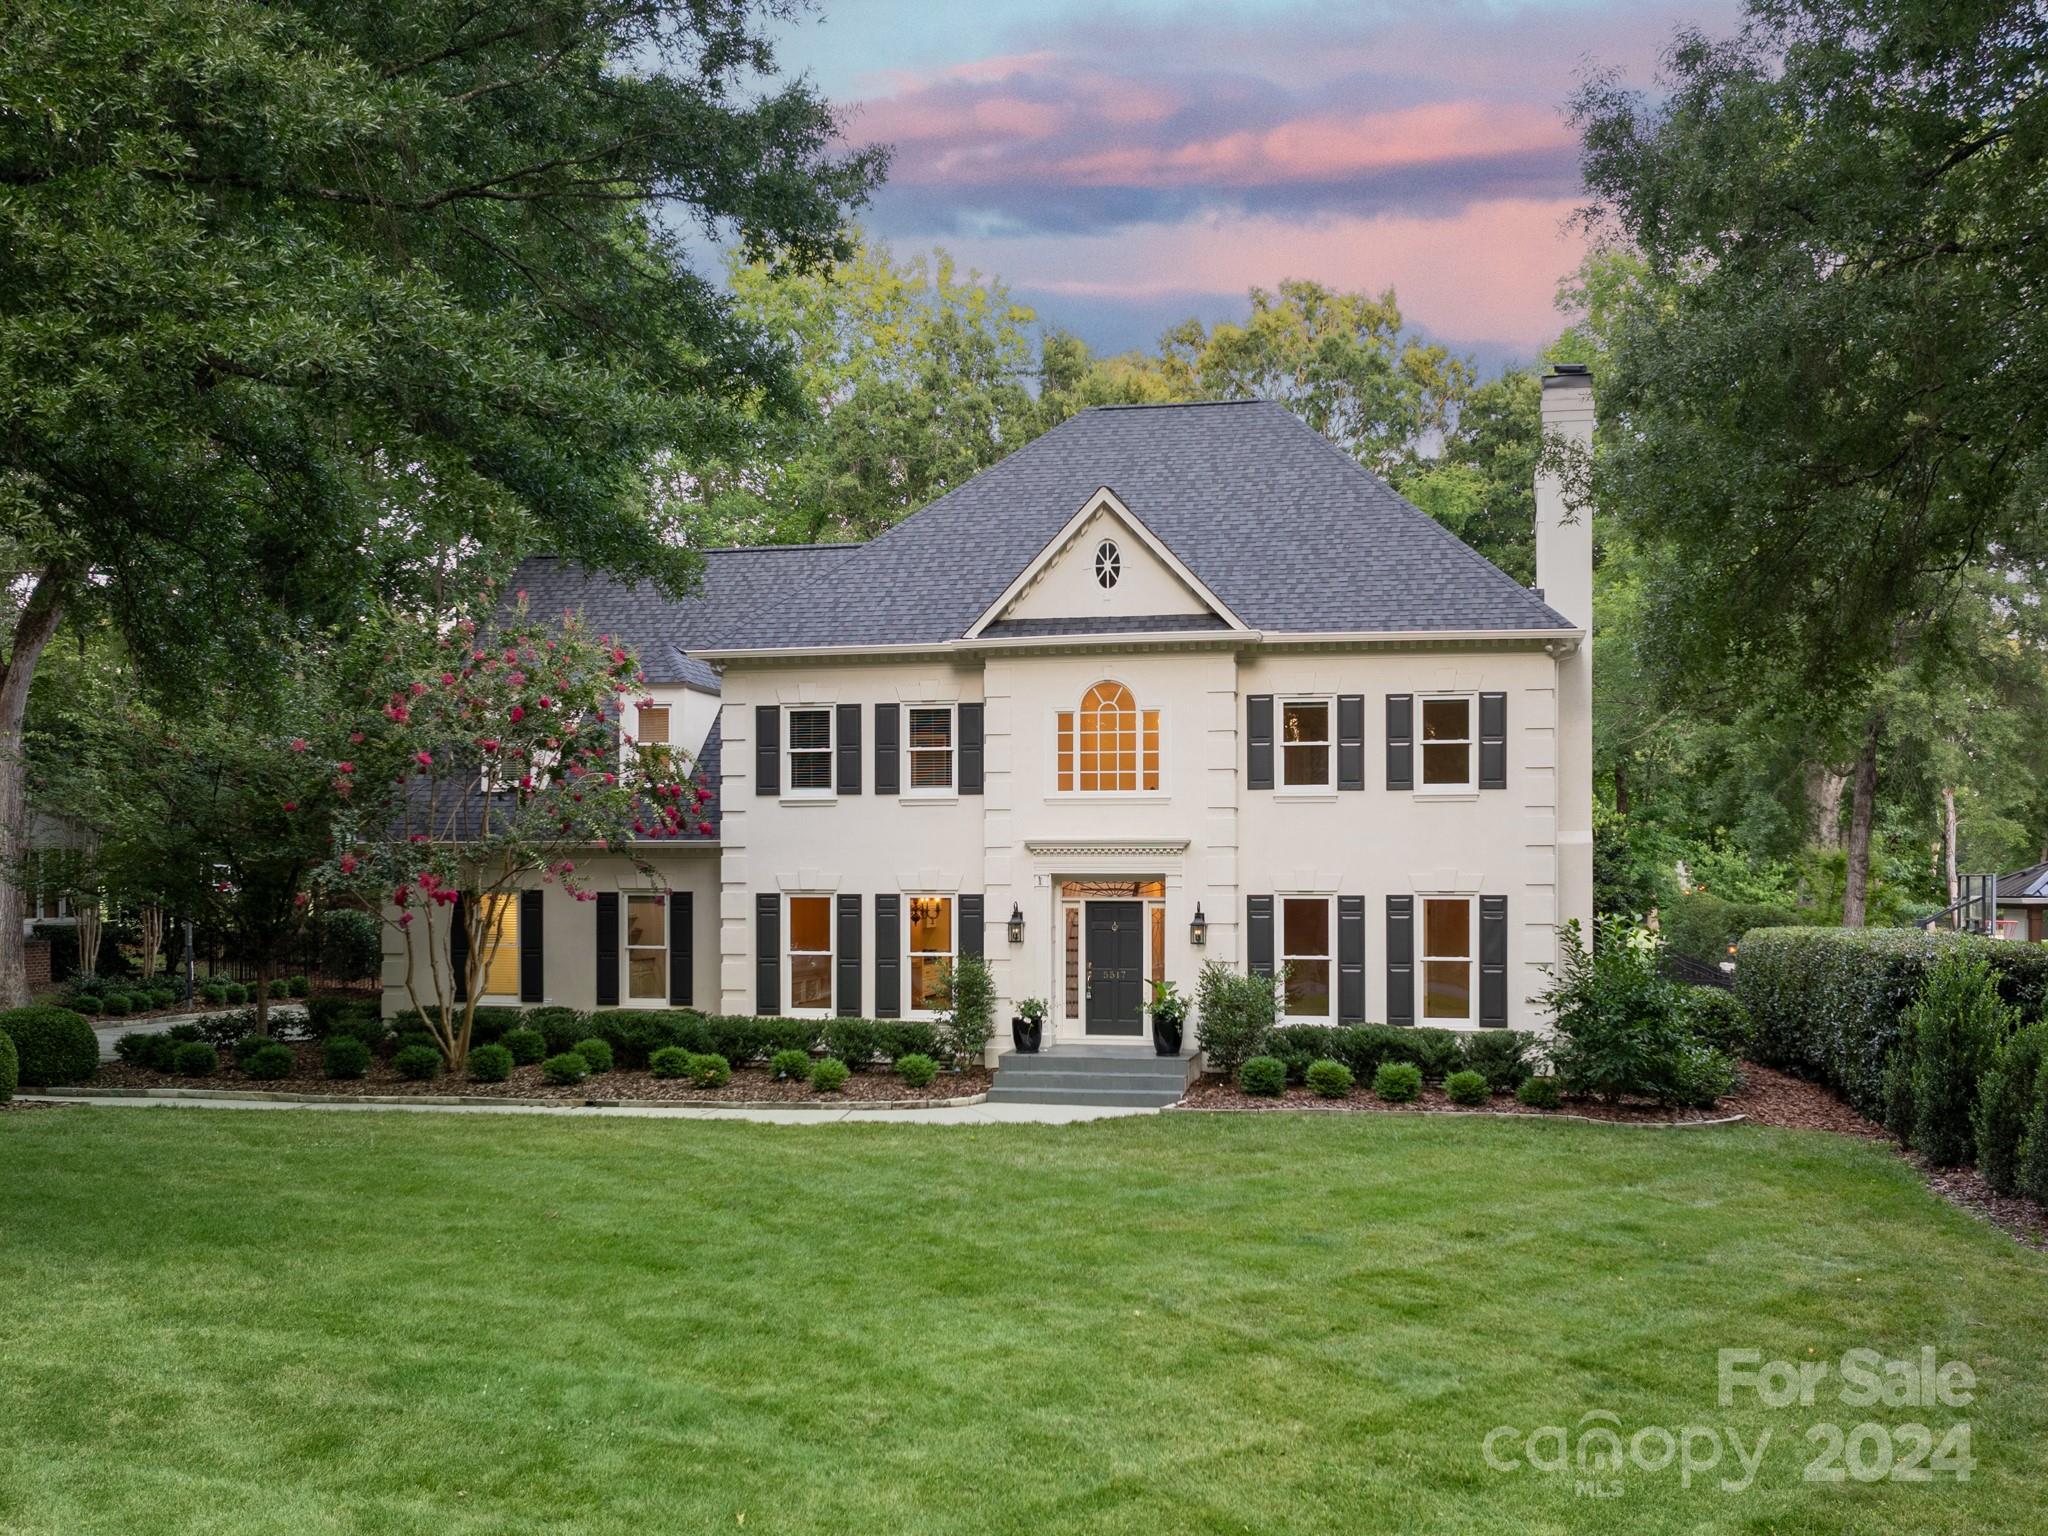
(971, 1114)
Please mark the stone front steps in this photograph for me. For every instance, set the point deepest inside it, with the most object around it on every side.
(1093, 1075)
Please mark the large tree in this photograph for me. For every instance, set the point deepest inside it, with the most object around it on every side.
(1831, 392)
(294, 298)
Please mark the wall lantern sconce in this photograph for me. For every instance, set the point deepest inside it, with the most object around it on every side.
(1198, 930)
(1016, 923)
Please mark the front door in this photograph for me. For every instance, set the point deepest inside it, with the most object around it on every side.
(1116, 967)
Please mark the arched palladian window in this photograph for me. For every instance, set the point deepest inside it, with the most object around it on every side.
(1109, 745)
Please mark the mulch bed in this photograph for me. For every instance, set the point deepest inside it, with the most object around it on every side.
(1767, 1097)
(749, 1085)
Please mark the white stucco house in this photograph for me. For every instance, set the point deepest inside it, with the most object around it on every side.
(1168, 684)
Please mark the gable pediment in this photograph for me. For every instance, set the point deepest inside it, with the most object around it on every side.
(1106, 567)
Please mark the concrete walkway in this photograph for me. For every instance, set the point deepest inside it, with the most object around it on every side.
(110, 1030)
(970, 1114)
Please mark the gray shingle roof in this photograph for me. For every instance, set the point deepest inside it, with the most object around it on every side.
(737, 582)
(1282, 525)
(1107, 624)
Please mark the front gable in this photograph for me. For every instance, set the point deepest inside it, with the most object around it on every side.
(1106, 569)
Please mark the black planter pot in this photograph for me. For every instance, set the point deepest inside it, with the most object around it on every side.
(1029, 1034)
(1165, 1037)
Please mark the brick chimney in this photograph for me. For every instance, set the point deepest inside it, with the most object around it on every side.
(1564, 570)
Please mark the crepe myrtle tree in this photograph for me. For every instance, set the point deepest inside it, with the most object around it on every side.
(490, 758)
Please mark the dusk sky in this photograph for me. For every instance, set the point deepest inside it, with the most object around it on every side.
(1125, 165)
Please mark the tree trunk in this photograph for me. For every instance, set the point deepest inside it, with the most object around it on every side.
(1824, 786)
(1862, 808)
(152, 922)
(1948, 844)
(88, 931)
(33, 626)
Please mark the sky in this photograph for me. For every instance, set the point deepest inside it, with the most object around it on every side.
(1127, 163)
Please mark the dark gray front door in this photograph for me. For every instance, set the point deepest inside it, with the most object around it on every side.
(1116, 967)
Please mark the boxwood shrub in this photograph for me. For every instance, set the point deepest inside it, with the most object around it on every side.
(344, 1057)
(489, 1064)
(828, 1074)
(669, 1061)
(52, 1045)
(791, 1065)
(116, 1005)
(854, 1041)
(596, 1054)
(1468, 1088)
(194, 1058)
(133, 1047)
(1397, 1082)
(1501, 1056)
(420, 1063)
(1265, 1076)
(10, 1067)
(525, 1045)
(708, 1069)
(269, 1061)
(565, 1069)
(1539, 1093)
(1329, 1079)
(1830, 1004)
(917, 1069)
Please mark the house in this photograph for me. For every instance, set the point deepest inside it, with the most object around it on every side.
(1168, 684)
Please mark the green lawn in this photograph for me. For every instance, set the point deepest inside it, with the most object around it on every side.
(217, 1321)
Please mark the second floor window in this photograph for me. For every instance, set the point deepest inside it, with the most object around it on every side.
(1109, 745)
(1305, 743)
(1447, 742)
(931, 748)
(810, 750)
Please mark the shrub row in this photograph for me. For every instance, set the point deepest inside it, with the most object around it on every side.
(635, 1034)
(1831, 1004)
(1504, 1057)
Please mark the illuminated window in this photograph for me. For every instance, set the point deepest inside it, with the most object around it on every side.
(497, 936)
(931, 951)
(1447, 958)
(931, 749)
(810, 954)
(1305, 743)
(1305, 951)
(1110, 746)
(1447, 743)
(646, 947)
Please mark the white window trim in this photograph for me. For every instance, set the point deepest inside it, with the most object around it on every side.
(1329, 783)
(627, 946)
(951, 791)
(789, 785)
(790, 952)
(1470, 786)
(1281, 957)
(1422, 959)
(1112, 567)
(952, 898)
(1120, 796)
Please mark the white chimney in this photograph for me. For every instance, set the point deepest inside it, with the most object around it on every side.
(1564, 570)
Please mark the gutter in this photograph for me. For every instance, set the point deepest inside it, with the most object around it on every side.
(1561, 642)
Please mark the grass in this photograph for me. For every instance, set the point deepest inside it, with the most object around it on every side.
(229, 1322)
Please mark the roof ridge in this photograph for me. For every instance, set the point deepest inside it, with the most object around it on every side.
(1177, 405)
(777, 549)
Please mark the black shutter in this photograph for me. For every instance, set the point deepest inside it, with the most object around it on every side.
(767, 749)
(1351, 959)
(1493, 962)
(1351, 741)
(1258, 912)
(458, 947)
(888, 727)
(1400, 741)
(682, 948)
(1493, 741)
(970, 750)
(607, 949)
(970, 926)
(1258, 737)
(848, 749)
(767, 953)
(849, 957)
(888, 958)
(530, 974)
(1400, 959)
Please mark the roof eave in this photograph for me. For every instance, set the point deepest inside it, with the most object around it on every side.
(1562, 641)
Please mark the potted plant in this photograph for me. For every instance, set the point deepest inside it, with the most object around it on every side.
(1027, 1025)
(1169, 1017)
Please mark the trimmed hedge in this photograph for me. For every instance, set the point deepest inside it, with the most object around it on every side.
(489, 1064)
(344, 1057)
(1501, 1056)
(1397, 1082)
(1264, 1076)
(10, 1067)
(52, 1045)
(1329, 1079)
(1468, 1088)
(1830, 1004)
(268, 1061)
(1701, 925)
